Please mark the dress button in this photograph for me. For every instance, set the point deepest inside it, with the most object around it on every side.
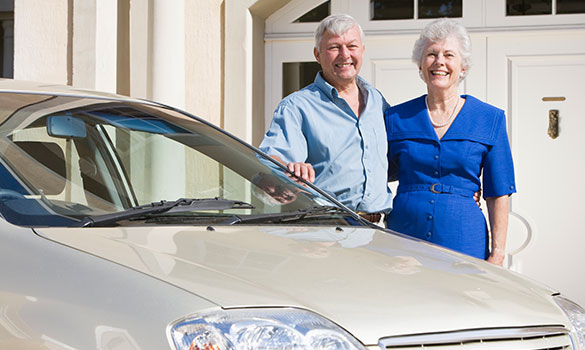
(430, 217)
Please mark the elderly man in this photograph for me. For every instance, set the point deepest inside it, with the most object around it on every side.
(332, 132)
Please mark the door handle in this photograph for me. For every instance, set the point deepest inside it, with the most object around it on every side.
(553, 123)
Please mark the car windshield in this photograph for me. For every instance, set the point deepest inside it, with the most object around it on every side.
(79, 161)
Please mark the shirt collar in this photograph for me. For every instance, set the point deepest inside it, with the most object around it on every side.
(331, 91)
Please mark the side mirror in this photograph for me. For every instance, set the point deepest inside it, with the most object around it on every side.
(65, 126)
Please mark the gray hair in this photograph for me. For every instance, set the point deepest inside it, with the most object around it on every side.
(336, 24)
(439, 30)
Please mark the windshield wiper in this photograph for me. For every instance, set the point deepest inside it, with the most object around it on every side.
(290, 216)
(179, 205)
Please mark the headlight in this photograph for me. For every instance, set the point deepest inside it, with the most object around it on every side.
(266, 329)
(577, 316)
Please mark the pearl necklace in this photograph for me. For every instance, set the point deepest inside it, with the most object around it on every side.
(440, 125)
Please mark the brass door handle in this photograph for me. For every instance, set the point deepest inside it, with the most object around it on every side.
(553, 123)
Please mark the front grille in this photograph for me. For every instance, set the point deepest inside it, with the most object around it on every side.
(531, 338)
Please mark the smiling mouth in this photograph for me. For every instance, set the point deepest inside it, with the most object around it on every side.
(343, 65)
(439, 73)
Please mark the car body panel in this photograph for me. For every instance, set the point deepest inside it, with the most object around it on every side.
(398, 286)
(56, 297)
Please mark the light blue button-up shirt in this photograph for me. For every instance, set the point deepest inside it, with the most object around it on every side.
(316, 126)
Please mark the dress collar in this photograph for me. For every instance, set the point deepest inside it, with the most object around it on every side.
(474, 122)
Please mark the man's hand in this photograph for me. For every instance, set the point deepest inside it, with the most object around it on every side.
(477, 197)
(303, 170)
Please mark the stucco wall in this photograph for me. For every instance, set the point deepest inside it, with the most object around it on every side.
(41, 40)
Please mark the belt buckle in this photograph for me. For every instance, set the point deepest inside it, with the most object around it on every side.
(433, 188)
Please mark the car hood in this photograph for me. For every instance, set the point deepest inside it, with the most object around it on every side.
(371, 282)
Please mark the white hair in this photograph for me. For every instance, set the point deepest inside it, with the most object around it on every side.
(336, 24)
(439, 30)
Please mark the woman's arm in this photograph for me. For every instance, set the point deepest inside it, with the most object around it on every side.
(498, 216)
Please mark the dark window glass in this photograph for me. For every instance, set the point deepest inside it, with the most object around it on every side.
(439, 8)
(528, 7)
(570, 6)
(297, 75)
(6, 44)
(391, 9)
(316, 14)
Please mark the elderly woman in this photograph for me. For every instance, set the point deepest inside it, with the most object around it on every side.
(438, 146)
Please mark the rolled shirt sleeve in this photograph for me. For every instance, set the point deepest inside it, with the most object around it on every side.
(285, 137)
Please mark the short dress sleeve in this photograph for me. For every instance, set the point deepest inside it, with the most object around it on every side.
(498, 169)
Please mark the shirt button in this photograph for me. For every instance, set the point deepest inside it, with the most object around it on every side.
(430, 217)
(429, 234)
(436, 172)
(436, 157)
(432, 201)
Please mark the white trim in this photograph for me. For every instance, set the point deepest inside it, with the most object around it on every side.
(282, 20)
(478, 15)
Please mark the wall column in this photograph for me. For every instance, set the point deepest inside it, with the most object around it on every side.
(84, 46)
(141, 18)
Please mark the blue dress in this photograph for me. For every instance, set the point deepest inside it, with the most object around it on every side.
(437, 178)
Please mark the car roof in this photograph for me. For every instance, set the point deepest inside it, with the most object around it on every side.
(32, 87)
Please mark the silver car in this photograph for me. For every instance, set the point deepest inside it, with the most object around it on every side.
(127, 224)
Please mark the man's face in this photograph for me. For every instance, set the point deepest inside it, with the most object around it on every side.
(340, 56)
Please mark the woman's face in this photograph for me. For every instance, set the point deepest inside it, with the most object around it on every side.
(441, 64)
